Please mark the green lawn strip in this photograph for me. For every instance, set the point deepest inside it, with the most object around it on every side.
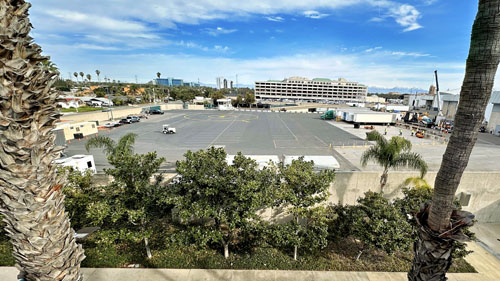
(81, 109)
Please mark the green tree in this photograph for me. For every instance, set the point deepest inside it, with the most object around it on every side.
(82, 75)
(133, 89)
(158, 74)
(247, 96)
(80, 192)
(97, 72)
(215, 95)
(438, 229)
(378, 224)
(89, 78)
(227, 196)
(392, 154)
(126, 211)
(301, 188)
(100, 92)
(183, 93)
(31, 198)
(238, 101)
(76, 76)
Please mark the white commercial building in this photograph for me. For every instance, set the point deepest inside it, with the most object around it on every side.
(299, 88)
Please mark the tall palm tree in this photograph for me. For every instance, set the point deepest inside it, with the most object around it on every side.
(31, 198)
(82, 75)
(98, 73)
(76, 76)
(89, 77)
(440, 224)
(392, 154)
(158, 74)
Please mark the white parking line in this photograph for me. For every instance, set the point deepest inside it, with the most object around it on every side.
(221, 133)
(321, 140)
(287, 127)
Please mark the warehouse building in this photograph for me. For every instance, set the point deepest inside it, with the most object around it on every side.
(299, 88)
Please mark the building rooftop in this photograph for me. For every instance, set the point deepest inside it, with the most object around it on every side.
(322, 79)
(302, 79)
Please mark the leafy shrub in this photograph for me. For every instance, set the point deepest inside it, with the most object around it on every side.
(378, 224)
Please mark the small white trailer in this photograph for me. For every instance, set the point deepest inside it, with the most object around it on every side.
(78, 162)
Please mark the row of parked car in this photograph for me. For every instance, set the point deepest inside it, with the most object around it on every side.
(128, 120)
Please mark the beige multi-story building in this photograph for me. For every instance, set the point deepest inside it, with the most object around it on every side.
(299, 88)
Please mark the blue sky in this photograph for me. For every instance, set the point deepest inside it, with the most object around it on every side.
(380, 43)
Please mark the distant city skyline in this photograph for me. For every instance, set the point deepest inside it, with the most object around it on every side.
(382, 44)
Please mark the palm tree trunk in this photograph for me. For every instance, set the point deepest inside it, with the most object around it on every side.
(482, 63)
(31, 198)
(383, 179)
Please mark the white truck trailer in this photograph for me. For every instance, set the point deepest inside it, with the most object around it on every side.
(373, 118)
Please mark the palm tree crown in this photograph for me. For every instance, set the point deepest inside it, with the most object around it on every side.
(394, 153)
(111, 148)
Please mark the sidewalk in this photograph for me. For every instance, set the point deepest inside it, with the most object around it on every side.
(486, 264)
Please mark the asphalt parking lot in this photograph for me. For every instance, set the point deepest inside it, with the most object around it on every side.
(252, 133)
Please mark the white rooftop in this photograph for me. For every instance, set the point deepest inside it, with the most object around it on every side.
(262, 160)
(320, 162)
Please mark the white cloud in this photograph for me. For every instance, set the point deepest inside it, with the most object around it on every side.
(369, 50)
(78, 19)
(138, 15)
(277, 19)
(314, 14)
(410, 54)
(95, 47)
(222, 49)
(217, 31)
(406, 16)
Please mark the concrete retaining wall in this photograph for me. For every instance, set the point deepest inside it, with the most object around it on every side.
(102, 116)
(120, 113)
(482, 186)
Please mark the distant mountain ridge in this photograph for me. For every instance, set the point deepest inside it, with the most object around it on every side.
(396, 89)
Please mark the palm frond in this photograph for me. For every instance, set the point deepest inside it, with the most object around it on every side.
(101, 142)
(417, 182)
(411, 160)
(375, 154)
(126, 143)
(400, 143)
